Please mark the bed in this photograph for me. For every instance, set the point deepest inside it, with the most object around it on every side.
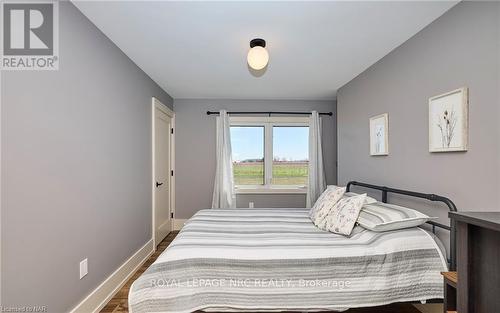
(277, 260)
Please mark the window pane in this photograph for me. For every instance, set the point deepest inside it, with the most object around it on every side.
(247, 143)
(290, 155)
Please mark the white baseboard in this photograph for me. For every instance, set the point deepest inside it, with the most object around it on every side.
(161, 228)
(179, 223)
(98, 298)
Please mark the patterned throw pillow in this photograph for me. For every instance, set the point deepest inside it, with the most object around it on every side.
(325, 202)
(342, 217)
(368, 199)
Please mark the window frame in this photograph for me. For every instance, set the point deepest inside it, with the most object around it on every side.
(268, 122)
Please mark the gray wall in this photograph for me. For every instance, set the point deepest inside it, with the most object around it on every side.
(76, 166)
(195, 151)
(459, 49)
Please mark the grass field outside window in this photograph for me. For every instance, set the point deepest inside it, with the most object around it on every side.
(284, 173)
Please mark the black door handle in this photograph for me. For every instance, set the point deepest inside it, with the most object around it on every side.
(158, 184)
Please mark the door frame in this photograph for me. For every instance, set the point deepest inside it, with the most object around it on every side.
(156, 104)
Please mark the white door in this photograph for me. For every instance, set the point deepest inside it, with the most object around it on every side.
(162, 175)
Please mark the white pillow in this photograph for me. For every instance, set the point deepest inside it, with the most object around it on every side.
(343, 215)
(384, 217)
(325, 202)
(368, 199)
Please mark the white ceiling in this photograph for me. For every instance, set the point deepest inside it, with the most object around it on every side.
(198, 49)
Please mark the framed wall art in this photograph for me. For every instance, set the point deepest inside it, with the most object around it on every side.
(379, 134)
(448, 121)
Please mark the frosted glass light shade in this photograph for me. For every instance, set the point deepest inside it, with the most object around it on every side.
(257, 58)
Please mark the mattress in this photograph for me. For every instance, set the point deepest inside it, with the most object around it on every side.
(276, 259)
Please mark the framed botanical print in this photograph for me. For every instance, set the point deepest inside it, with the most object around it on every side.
(379, 134)
(448, 121)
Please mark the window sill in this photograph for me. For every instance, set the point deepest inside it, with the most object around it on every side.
(270, 190)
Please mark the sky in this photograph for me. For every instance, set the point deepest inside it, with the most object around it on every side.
(288, 142)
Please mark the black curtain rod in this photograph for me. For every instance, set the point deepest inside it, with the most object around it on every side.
(269, 113)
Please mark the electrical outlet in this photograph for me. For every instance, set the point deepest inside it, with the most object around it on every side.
(84, 268)
(250, 205)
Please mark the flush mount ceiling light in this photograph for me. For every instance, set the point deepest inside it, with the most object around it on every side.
(257, 56)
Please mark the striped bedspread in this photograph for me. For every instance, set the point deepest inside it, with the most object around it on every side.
(276, 259)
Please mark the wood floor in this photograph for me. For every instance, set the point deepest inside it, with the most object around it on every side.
(119, 303)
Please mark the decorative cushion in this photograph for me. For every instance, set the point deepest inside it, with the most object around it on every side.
(384, 217)
(343, 215)
(368, 199)
(325, 202)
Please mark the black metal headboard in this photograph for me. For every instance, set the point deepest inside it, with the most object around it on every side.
(432, 197)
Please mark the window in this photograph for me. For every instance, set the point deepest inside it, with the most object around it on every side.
(290, 155)
(247, 144)
(270, 154)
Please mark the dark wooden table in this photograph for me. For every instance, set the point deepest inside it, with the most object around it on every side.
(450, 292)
(478, 261)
